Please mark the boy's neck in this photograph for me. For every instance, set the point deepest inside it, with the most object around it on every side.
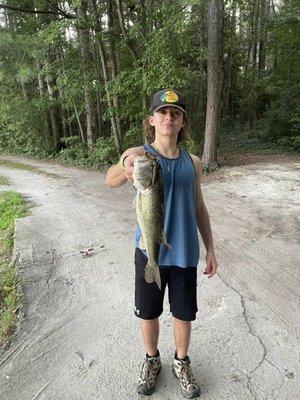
(166, 147)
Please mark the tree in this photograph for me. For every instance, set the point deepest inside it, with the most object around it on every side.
(209, 157)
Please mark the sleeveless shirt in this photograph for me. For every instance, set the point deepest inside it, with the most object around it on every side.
(180, 222)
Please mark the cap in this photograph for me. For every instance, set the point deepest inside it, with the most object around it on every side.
(167, 97)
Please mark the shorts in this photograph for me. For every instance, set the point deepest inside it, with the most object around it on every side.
(182, 288)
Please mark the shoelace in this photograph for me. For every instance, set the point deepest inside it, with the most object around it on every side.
(148, 371)
(187, 375)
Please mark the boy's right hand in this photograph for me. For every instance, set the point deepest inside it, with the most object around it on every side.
(129, 164)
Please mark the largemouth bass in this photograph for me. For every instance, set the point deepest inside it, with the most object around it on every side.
(149, 203)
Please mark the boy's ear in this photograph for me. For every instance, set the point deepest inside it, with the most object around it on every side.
(150, 119)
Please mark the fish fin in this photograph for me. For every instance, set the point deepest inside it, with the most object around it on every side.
(134, 202)
(164, 241)
(152, 274)
(154, 175)
(147, 191)
(142, 243)
(150, 155)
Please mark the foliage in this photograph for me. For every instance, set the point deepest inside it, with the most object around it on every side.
(12, 206)
(46, 79)
(78, 153)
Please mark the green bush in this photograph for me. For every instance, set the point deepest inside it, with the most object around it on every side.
(279, 127)
(134, 136)
(21, 129)
(74, 150)
(101, 154)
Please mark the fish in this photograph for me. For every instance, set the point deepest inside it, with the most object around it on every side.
(149, 204)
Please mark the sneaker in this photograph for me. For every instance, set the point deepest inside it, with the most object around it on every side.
(150, 370)
(182, 370)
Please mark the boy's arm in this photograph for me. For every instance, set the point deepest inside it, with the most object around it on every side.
(203, 221)
(118, 174)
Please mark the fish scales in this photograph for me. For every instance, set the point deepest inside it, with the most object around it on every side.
(150, 212)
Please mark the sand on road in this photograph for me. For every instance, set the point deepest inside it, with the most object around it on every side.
(79, 338)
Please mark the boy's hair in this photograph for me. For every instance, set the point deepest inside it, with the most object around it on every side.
(149, 130)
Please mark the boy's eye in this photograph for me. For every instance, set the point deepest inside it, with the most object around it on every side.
(173, 113)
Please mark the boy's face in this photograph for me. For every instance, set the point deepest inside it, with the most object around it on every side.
(167, 121)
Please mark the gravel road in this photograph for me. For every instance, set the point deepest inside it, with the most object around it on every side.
(79, 338)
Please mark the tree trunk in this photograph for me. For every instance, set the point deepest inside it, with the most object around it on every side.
(82, 133)
(255, 34)
(64, 122)
(24, 90)
(209, 158)
(131, 45)
(113, 63)
(253, 73)
(230, 72)
(109, 100)
(106, 77)
(264, 17)
(55, 124)
(54, 111)
(263, 36)
(98, 77)
(43, 94)
(83, 36)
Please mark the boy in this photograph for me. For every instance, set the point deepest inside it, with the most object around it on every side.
(184, 212)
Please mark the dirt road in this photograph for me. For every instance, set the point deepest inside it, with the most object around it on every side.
(79, 338)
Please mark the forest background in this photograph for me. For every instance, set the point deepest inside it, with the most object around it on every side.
(76, 77)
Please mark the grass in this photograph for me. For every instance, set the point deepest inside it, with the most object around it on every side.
(26, 167)
(12, 206)
(4, 181)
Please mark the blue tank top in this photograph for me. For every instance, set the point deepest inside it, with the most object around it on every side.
(180, 223)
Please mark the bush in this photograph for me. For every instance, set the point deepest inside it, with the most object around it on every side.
(103, 153)
(279, 127)
(74, 150)
(99, 155)
(134, 136)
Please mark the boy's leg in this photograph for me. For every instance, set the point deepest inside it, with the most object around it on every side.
(148, 307)
(182, 334)
(183, 302)
(150, 331)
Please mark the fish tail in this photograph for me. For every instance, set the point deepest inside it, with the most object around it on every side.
(152, 274)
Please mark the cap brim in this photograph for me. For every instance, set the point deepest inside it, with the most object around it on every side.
(168, 105)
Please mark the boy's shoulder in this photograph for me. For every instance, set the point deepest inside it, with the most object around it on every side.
(195, 158)
(197, 163)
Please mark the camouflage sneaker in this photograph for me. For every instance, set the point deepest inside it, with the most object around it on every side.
(150, 370)
(182, 370)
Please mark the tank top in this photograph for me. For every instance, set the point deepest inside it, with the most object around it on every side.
(180, 223)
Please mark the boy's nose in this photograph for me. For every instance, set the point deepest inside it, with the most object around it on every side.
(169, 114)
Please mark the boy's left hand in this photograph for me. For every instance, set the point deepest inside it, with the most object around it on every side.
(211, 264)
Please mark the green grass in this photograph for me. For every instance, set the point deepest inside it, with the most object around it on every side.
(12, 206)
(4, 181)
(26, 167)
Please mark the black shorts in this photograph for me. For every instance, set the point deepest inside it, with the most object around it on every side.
(182, 288)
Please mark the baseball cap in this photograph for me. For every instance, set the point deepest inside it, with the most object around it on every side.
(167, 97)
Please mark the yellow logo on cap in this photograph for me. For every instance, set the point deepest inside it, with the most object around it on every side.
(169, 97)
